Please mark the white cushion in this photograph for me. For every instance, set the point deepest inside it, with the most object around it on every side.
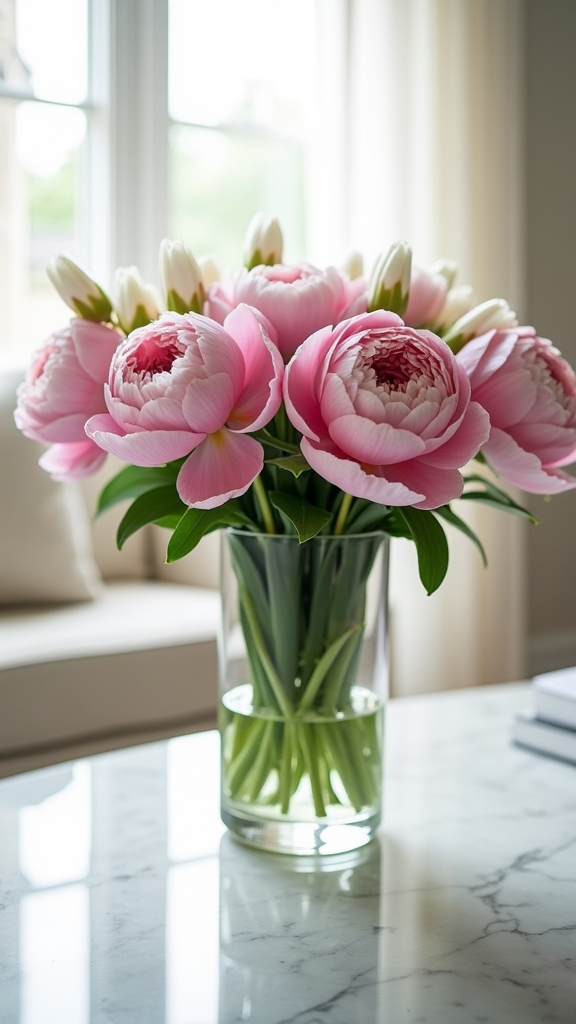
(125, 617)
(141, 656)
(45, 540)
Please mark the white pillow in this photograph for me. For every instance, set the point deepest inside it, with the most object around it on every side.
(45, 541)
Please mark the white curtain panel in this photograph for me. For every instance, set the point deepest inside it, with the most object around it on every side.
(417, 135)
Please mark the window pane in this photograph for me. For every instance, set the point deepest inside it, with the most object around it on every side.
(243, 62)
(41, 165)
(51, 50)
(219, 180)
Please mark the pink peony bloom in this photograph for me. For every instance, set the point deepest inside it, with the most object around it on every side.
(184, 385)
(529, 392)
(427, 294)
(64, 386)
(297, 300)
(385, 411)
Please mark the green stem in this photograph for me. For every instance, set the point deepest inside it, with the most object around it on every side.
(343, 514)
(238, 771)
(275, 442)
(342, 764)
(264, 505)
(286, 768)
(260, 767)
(327, 659)
(272, 675)
(281, 421)
(307, 738)
(330, 697)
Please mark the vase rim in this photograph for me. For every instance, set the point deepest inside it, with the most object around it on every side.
(235, 531)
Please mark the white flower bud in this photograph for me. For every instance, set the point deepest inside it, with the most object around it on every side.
(389, 286)
(458, 301)
(353, 265)
(137, 303)
(210, 269)
(78, 290)
(448, 269)
(493, 315)
(181, 278)
(263, 242)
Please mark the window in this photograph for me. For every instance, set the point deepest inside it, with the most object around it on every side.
(43, 145)
(239, 119)
(118, 126)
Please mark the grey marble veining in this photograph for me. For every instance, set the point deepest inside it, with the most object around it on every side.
(123, 902)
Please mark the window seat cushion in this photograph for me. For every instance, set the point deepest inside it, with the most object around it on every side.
(141, 654)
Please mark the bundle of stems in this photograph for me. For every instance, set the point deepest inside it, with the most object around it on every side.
(302, 613)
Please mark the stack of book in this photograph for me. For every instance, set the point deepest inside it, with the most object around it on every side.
(551, 727)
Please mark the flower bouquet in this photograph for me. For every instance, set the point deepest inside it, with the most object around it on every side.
(311, 415)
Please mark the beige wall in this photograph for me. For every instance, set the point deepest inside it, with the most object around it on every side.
(551, 292)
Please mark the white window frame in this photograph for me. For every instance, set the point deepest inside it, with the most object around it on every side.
(128, 162)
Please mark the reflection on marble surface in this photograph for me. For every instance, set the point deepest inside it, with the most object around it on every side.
(55, 955)
(299, 938)
(55, 835)
(121, 901)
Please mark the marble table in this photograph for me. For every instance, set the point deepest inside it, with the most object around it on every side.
(122, 901)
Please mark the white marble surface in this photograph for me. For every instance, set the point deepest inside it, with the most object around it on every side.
(122, 901)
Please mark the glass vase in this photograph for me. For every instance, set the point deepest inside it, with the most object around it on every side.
(303, 682)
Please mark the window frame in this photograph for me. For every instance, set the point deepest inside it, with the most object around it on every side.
(128, 152)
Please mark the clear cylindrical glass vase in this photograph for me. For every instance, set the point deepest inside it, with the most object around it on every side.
(303, 684)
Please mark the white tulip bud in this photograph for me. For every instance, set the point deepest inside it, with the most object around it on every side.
(353, 265)
(210, 269)
(389, 286)
(263, 242)
(493, 315)
(181, 278)
(137, 303)
(458, 301)
(78, 290)
(448, 269)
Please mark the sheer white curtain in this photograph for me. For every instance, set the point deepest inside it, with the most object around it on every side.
(418, 135)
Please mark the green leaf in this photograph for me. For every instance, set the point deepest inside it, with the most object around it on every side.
(446, 512)
(149, 508)
(196, 522)
(395, 525)
(132, 481)
(495, 498)
(511, 507)
(295, 464)
(431, 545)
(169, 522)
(307, 518)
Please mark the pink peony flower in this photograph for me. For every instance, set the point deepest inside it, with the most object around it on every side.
(297, 300)
(385, 411)
(64, 386)
(529, 392)
(427, 294)
(184, 385)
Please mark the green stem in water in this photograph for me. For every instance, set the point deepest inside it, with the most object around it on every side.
(307, 737)
(286, 768)
(342, 514)
(264, 505)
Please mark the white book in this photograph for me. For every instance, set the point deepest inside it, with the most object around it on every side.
(532, 732)
(555, 697)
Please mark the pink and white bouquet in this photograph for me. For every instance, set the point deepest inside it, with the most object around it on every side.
(290, 399)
